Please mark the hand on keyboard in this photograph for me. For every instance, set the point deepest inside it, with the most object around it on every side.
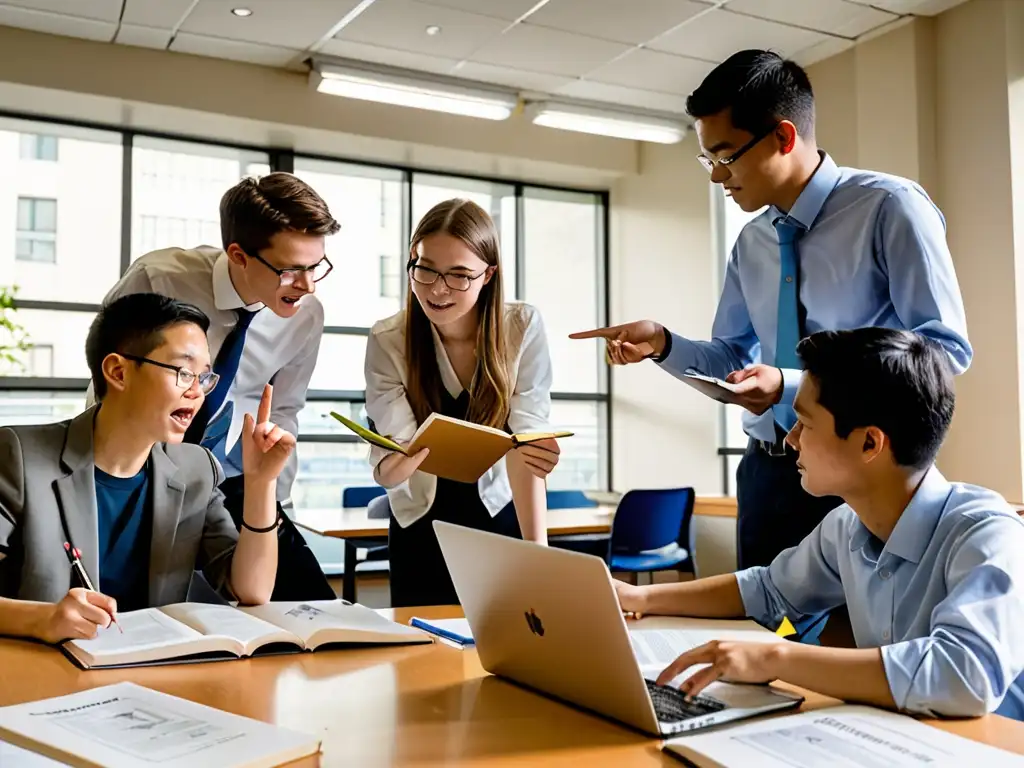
(737, 662)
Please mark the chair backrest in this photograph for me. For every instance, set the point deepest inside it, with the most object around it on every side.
(652, 519)
(360, 495)
(569, 500)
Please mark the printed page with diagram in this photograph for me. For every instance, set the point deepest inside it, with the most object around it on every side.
(126, 725)
(836, 737)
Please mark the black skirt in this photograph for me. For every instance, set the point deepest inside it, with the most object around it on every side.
(419, 575)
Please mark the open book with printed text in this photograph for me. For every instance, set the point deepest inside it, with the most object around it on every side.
(459, 450)
(186, 632)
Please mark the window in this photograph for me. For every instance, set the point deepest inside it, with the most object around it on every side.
(553, 256)
(37, 230)
(730, 220)
(390, 277)
(176, 191)
(65, 211)
(39, 361)
(38, 147)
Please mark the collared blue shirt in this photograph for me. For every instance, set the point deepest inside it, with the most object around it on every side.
(872, 252)
(943, 597)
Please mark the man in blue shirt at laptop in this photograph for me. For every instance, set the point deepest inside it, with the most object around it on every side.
(930, 571)
(835, 248)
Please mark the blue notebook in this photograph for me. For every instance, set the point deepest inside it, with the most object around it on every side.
(454, 630)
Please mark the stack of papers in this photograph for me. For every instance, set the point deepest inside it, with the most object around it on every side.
(454, 632)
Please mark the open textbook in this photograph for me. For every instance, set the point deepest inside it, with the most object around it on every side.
(186, 632)
(126, 725)
(836, 737)
(459, 450)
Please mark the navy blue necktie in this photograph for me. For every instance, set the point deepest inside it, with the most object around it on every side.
(787, 334)
(226, 365)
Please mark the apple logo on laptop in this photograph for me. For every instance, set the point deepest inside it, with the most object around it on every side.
(534, 622)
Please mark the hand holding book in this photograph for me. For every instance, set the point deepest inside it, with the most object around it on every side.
(398, 467)
(459, 450)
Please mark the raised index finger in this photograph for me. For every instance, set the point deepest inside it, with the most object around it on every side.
(263, 414)
(598, 333)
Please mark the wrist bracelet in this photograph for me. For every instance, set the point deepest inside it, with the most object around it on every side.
(268, 529)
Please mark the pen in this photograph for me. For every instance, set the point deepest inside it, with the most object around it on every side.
(74, 557)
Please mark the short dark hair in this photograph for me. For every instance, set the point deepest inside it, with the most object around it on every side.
(133, 325)
(256, 209)
(895, 380)
(759, 88)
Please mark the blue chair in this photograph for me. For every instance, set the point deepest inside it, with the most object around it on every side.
(569, 500)
(587, 543)
(651, 531)
(360, 495)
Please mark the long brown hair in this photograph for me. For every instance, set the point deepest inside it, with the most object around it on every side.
(491, 389)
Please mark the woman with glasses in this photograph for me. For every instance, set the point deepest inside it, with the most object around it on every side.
(460, 350)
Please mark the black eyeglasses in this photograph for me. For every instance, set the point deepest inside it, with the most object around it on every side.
(710, 164)
(207, 380)
(318, 271)
(454, 280)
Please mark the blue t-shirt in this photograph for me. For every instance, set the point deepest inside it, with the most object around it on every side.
(125, 530)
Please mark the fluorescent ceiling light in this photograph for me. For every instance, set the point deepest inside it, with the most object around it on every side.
(388, 86)
(569, 117)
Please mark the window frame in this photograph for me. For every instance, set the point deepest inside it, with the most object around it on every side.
(281, 159)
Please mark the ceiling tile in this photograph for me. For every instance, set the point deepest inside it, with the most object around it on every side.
(104, 10)
(390, 56)
(509, 10)
(837, 17)
(514, 78)
(917, 7)
(636, 21)
(833, 46)
(144, 37)
(57, 24)
(654, 71)
(527, 46)
(254, 53)
(617, 96)
(161, 14)
(402, 24)
(718, 34)
(293, 24)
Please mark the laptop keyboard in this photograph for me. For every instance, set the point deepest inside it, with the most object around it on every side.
(671, 705)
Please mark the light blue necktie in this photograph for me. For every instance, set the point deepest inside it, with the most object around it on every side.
(787, 334)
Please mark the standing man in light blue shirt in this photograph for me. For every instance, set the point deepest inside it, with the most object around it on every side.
(930, 571)
(835, 248)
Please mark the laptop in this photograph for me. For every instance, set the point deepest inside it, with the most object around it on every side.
(548, 619)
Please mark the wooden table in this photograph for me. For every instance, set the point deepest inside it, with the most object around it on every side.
(420, 705)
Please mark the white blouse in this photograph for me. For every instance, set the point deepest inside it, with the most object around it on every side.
(387, 406)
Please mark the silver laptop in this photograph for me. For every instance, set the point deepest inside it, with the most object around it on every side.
(548, 619)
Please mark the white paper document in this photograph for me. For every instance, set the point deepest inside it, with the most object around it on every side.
(838, 737)
(123, 725)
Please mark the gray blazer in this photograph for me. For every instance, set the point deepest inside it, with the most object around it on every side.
(43, 466)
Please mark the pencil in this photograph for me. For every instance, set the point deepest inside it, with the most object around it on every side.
(74, 557)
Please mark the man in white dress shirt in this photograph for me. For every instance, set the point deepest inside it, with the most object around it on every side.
(265, 322)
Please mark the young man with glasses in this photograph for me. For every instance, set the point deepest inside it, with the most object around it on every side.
(265, 325)
(117, 488)
(835, 248)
